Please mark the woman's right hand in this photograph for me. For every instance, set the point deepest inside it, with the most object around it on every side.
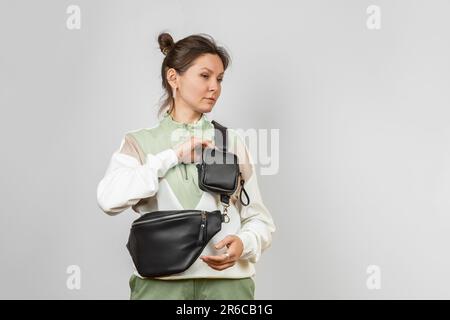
(191, 150)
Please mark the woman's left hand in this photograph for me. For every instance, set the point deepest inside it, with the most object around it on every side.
(224, 261)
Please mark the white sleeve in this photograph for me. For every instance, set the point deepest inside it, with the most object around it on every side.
(257, 225)
(126, 180)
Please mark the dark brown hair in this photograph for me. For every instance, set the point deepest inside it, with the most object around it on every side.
(181, 56)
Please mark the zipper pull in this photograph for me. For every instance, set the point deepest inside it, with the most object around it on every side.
(202, 234)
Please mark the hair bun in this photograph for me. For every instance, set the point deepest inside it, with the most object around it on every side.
(166, 43)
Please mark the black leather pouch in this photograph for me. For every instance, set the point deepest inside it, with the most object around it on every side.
(219, 171)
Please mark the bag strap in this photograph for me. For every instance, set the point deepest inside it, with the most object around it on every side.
(220, 140)
(220, 136)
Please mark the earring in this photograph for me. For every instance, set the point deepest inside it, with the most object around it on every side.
(174, 93)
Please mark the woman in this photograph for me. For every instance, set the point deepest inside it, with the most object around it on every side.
(154, 169)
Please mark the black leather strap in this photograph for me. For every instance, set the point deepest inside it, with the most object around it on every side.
(220, 136)
(220, 140)
(245, 192)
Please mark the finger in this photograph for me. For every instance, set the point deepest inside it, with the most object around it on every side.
(217, 265)
(199, 144)
(224, 242)
(230, 255)
(216, 259)
(219, 259)
(198, 153)
(222, 267)
(208, 144)
(198, 149)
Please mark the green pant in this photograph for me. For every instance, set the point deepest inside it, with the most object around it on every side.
(192, 289)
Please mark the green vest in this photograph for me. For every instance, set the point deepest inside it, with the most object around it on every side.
(182, 178)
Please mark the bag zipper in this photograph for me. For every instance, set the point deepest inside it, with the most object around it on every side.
(168, 217)
(203, 225)
(202, 234)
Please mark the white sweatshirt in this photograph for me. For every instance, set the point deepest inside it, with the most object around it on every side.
(144, 174)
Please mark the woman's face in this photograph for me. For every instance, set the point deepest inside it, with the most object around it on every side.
(200, 83)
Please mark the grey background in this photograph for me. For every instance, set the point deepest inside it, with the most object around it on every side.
(363, 115)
